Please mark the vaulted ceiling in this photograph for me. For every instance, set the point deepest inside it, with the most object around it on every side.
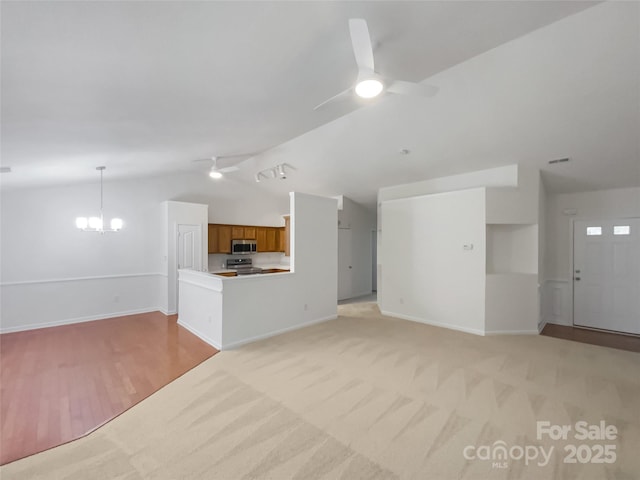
(146, 88)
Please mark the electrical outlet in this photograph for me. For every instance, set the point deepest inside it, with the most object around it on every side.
(306, 307)
(401, 301)
(116, 299)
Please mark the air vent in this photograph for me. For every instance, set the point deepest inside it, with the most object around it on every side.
(5, 169)
(558, 160)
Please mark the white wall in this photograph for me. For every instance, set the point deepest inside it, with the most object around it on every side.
(360, 222)
(512, 293)
(517, 204)
(506, 176)
(428, 275)
(561, 211)
(181, 213)
(255, 307)
(42, 251)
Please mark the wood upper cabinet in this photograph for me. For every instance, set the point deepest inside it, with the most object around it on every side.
(261, 238)
(213, 238)
(237, 232)
(287, 235)
(224, 239)
(272, 235)
(250, 233)
(269, 239)
(281, 240)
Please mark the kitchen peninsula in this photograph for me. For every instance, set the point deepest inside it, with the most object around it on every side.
(230, 311)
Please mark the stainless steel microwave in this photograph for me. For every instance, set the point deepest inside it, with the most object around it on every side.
(243, 247)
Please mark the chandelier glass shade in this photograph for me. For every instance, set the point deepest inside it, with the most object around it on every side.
(96, 224)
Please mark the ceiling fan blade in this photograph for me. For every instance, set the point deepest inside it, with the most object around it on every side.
(361, 42)
(228, 169)
(340, 96)
(414, 89)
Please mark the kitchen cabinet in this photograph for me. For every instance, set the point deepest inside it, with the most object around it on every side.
(219, 238)
(237, 233)
(287, 236)
(224, 239)
(269, 239)
(261, 238)
(213, 238)
(281, 240)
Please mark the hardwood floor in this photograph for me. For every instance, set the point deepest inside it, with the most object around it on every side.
(60, 383)
(594, 337)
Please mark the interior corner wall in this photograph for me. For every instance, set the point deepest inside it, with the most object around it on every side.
(518, 204)
(429, 275)
(561, 211)
(542, 251)
(54, 274)
(506, 176)
(360, 222)
(290, 300)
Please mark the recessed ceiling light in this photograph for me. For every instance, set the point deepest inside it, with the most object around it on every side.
(5, 169)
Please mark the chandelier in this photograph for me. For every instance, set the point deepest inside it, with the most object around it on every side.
(96, 224)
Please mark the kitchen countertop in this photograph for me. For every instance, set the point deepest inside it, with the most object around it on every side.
(268, 266)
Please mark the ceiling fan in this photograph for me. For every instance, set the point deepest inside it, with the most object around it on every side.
(221, 164)
(369, 83)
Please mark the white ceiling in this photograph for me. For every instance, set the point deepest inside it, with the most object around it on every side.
(146, 88)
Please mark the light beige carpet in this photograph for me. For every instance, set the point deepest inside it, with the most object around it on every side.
(370, 397)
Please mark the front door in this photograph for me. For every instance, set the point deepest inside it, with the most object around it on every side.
(606, 276)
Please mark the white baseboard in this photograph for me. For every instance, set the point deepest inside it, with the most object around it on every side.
(71, 321)
(228, 346)
(435, 324)
(200, 335)
(541, 325)
(512, 332)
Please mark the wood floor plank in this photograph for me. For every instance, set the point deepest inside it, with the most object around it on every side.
(593, 337)
(59, 383)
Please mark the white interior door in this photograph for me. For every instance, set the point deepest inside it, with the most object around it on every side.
(345, 264)
(190, 247)
(606, 277)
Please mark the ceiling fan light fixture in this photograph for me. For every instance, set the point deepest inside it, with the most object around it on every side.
(215, 173)
(369, 88)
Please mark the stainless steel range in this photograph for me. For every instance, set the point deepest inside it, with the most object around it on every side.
(243, 266)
